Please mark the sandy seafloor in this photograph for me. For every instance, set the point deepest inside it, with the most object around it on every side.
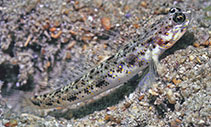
(46, 44)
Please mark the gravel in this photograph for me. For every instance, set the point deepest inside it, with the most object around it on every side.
(47, 44)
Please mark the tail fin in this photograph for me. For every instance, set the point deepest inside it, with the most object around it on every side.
(19, 102)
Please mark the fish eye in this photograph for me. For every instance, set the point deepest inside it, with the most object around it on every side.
(179, 18)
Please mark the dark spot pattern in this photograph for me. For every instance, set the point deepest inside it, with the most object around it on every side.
(101, 83)
(126, 47)
(150, 40)
(86, 91)
(110, 58)
(35, 103)
(49, 104)
(131, 59)
(142, 53)
(57, 91)
(109, 75)
(92, 71)
(72, 98)
(106, 67)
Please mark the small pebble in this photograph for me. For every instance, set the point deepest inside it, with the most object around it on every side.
(152, 92)
(191, 57)
(198, 60)
(144, 4)
(56, 24)
(174, 124)
(170, 97)
(73, 32)
(56, 36)
(67, 55)
(112, 108)
(105, 46)
(105, 21)
(209, 42)
(27, 41)
(11, 123)
(136, 26)
(196, 44)
(66, 11)
(176, 81)
(46, 25)
(206, 43)
(52, 29)
(48, 64)
(126, 106)
(141, 97)
(144, 104)
(84, 47)
(178, 121)
(108, 117)
(86, 38)
(71, 44)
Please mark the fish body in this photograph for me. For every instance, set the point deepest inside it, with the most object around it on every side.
(130, 60)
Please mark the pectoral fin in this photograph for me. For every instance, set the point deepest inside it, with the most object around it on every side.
(149, 77)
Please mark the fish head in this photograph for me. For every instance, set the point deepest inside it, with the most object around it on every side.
(173, 28)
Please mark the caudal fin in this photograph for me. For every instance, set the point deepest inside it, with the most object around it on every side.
(19, 103)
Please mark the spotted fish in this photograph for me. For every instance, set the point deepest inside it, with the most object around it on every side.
(130, 60)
